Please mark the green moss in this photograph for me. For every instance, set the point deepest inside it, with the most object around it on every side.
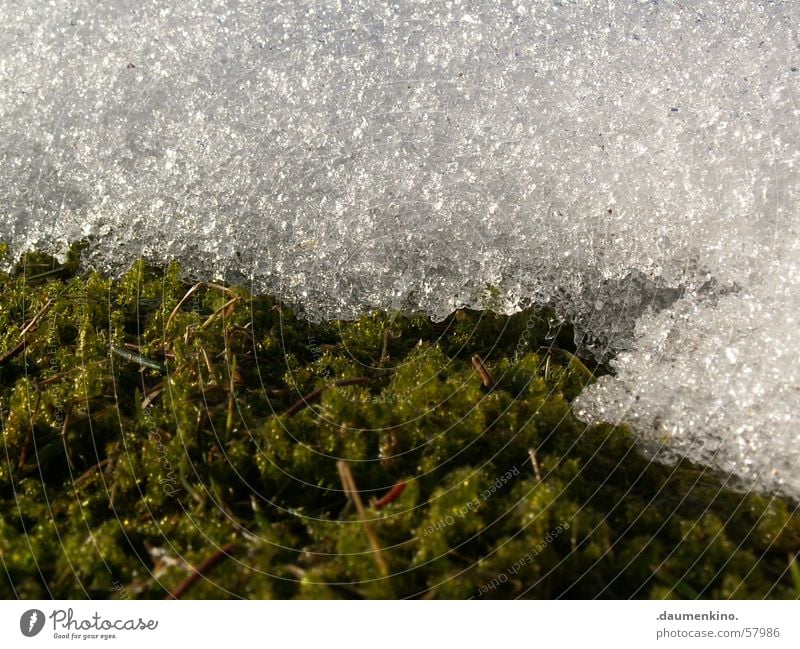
(146, 423)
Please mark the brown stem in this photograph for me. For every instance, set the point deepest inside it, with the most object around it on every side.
(16, 351)
(389, 497)
(485, 374)
(200, 571)
(537, 468)
(349, 484)
(35, 321)
(191, 291)
(67, 450)
(314, 396)
(385, 351)
(23, 343)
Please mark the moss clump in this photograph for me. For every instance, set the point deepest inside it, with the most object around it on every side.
(147, 423)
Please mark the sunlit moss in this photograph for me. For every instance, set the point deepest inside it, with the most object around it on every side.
(147, 423)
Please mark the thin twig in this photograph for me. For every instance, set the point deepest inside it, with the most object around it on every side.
(15, 351)
(389, 497)
(385, 351)
(60, 376)
(485, 374)
(211, 374)
(314, 396)
(90, 471)
(35, 321)
(152, 395)
(197, 286)
(47, 273)
(23, 343)
(231, 397)
(67, 450)
(537, 468)
(200, 571)
(349, 484)
(572, 358)
(23, 454)
(222, 309)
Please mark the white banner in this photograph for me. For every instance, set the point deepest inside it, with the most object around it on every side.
(406, 625)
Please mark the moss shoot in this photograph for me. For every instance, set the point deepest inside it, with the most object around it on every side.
(162, 439)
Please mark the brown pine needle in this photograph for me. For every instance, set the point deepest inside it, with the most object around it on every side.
(23, 342)
(67, 450)
(152, 395)
(572, 360)
(225, 308)
(200, 571)
(485, 374)
(191, 291)
(39, 315)
(231, 397)
(389, 497)
(314, 396)
(349, 484)
(537, 468)
(13, 352)
(385, 351)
